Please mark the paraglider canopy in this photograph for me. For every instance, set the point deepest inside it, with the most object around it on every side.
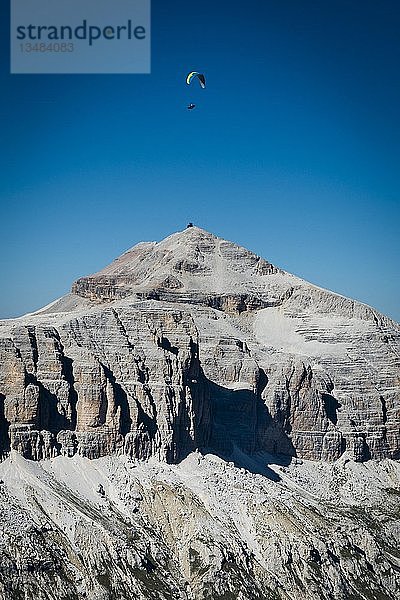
(195, 75)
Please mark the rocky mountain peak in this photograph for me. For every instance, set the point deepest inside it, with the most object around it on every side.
(192, 261)
(196, 342)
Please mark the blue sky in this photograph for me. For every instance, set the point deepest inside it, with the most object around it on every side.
(292, 151)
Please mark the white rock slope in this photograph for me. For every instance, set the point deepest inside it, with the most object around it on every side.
(110, 528)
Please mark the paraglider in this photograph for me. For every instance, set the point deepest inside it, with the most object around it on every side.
(194, 74)
(200, 78)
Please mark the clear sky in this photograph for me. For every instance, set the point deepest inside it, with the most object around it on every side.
(293, 149)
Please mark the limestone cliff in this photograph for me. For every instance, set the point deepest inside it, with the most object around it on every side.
(195, 342)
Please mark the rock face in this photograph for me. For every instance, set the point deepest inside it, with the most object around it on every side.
(195, 342)
(104, 383)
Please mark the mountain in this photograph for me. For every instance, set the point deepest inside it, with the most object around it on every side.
(244, 422)
(195, 342)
